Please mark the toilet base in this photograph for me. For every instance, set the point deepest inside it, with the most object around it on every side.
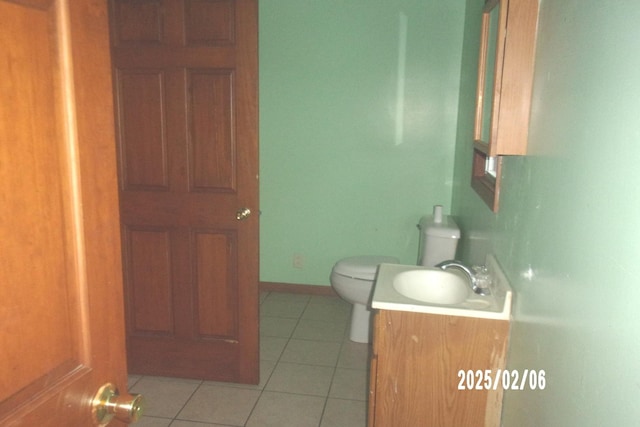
(360, 321)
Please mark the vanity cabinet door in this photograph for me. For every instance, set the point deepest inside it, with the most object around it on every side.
(415, 365)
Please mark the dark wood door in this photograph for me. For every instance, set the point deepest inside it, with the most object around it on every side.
(61, 308)
(185, 75)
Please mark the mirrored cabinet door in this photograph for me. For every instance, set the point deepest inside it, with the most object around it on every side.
(505, 78)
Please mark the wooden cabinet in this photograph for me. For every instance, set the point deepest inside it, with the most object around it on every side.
(415, 370)
(505, 76)
(505, 80)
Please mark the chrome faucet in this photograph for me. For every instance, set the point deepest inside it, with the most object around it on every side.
(473, 281)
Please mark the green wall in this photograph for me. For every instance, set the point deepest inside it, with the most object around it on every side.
(568, 228)
(357, 128)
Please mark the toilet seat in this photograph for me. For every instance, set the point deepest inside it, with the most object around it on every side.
(362, 267)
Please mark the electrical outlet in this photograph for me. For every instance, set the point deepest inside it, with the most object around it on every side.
(298, 261)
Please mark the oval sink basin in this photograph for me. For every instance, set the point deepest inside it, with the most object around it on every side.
(432, 286)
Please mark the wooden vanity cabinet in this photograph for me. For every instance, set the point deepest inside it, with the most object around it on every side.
(415, 369)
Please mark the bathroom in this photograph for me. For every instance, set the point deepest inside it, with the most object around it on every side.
(366, 118)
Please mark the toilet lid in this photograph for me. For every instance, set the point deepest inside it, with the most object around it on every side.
(362, 267)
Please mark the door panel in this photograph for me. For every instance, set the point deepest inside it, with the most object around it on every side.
(185, 76)
(62, 333)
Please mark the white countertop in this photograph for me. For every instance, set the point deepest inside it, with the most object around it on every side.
(494, 306)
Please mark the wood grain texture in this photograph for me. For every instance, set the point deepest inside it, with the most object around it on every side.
(513, 77)
(415, 375)
(62, 333)
(186, 98)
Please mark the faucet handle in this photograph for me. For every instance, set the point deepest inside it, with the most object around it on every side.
(483, 277)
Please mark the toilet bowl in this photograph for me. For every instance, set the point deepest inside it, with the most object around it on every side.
(352, 278)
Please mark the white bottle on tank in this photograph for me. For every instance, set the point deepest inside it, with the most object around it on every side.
(439, 236)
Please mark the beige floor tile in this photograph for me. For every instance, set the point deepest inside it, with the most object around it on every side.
(271, 347)
(321, 299)
(320, 330)
(221, 405)
(344, 413)
(180, 423)
(336, 312)
(286, 410)
(147, 421)
(301, 379)
(164, 396)
(354, 355)
(266, 368)
(350, 384)
(277, 326)
(132, 380)
(311, 352)
(280, 308)
(263, 296)
(288, 297)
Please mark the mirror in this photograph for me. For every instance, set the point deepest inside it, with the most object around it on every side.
(485, 177)
(492, 16)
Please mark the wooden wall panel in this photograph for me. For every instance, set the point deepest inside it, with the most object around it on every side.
(211, 137)
(216, 291)
(148, 258)
(143, 142)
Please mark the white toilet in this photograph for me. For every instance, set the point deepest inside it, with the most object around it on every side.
(352, 278)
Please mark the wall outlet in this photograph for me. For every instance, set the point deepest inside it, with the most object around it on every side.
(298, 261)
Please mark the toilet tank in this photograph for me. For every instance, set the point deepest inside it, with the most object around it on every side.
(439, 236)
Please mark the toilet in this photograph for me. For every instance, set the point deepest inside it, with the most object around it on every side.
(352, 278)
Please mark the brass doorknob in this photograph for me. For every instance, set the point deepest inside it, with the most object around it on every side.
(243, 213)
(109, 403)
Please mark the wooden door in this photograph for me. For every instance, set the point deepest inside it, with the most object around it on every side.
(61, 309)
(185, 74)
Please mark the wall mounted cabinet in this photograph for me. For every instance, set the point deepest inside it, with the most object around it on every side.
(505, 79)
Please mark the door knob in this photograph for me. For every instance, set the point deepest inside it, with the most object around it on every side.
(109, 403)
(243, 213)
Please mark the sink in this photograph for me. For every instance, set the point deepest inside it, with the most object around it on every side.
(432, 286)
(431, 290)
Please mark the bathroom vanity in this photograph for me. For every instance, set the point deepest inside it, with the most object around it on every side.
(430, 361)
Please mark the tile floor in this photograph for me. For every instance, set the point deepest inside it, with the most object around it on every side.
(311, 375)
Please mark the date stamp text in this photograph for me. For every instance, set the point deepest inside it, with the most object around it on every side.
(489, 379)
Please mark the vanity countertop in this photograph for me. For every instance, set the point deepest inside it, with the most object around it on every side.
(497, 305)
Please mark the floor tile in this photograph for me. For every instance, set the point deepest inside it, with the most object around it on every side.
(311, 352)
(266, 368)
(310, 375)
(222, 405)
(277, 326)
(280, 308)
(287, 410)
(263, 296)
(132, 380)
(336, 312)
(354, 355)
(301, 379)
(331, 300)
(164, 396)
(320, 330)
(147, 421)
(271, 347)
(180, 423)
(288, 297)
(350, 384)
(344, 413)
